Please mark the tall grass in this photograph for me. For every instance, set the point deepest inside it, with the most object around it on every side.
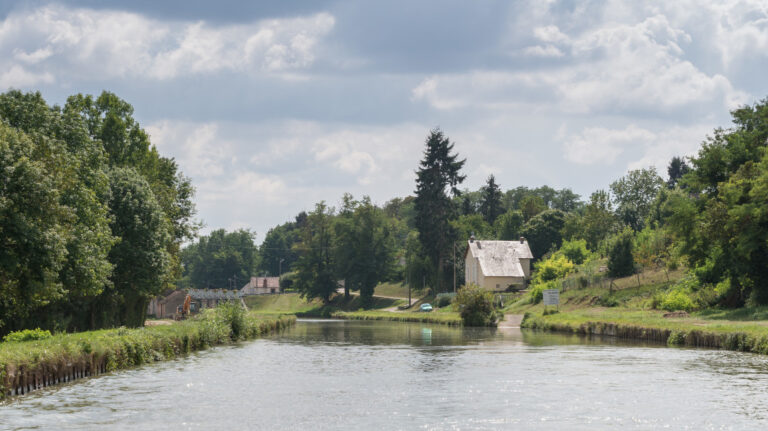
(29, 365)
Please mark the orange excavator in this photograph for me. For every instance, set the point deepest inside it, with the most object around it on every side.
(185, 307)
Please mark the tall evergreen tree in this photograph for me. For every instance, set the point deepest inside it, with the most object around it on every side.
(491, 206)
(438, 175)
(676, 169)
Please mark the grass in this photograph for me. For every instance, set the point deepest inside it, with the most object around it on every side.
(446, 318)
(286, 303)
(396, 290)
(623, 311)
(34, 364)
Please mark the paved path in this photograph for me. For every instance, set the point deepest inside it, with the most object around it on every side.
(511, 321)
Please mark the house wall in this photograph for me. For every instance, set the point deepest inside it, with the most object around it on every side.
(474, 274)
(526, 264)
(502, 283)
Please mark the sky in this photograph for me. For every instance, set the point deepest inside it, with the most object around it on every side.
(270, 107)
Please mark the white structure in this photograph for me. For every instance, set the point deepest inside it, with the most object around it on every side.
(261, 286)
(498, 265)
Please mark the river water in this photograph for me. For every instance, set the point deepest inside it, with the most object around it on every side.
(390, 376)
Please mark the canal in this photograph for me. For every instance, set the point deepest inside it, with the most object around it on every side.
(390, 376)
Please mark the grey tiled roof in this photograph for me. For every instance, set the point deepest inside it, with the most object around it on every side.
(214, 294)
(501, 258)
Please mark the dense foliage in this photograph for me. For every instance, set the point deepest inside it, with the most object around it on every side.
(476, 306)
(91, 216)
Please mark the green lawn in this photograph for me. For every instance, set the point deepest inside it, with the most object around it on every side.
(396, 290)
(446, 318)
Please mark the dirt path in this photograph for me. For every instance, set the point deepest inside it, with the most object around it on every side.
(511, 321)
(158, 322)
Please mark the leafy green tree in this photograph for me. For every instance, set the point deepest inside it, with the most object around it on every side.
(417, 264)
(278, 246)
(490, 206)
(315, 268)
(621, 261)
(634, 194)
(365, 248)
(575, 250)
(220, 259)
(544, 232)
(566, 200)
(33, 229)
(438, 174)
(555, 267)
(599, 220)
(509, 225)
(140, 259)
(532, 205)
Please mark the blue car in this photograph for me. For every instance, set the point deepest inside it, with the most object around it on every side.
(425, 308)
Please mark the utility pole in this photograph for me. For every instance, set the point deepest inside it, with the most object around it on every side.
(409, 291)
(280, 275)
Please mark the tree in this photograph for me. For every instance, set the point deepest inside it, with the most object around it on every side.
(315, 276)
(575, 250)
(634, 194)
(566, 200)
(599, 220)
(621, 261)
(220, 259)
(33, 230)
(509, 225)
(438, 175)
(140, 259)
(365, 249)
(276, 248)
(544, 232)
(676, 169)
(490, 206)
(532, 205)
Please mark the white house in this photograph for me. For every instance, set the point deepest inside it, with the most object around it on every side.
(498, 265)
(261, 286)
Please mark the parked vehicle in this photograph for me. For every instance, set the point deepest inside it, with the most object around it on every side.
(425, 308)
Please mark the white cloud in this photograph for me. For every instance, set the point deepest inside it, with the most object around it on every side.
(17, 76)
(611, 68)
(105, 43)
(198, 148)
(598, 145)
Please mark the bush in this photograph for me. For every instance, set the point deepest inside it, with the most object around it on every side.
(677, 300)
(443, 300)
(621, 262)
(553, 268)
(28, 334)
(576, 251)
(233, 315)
(476, 305)
(536, 291)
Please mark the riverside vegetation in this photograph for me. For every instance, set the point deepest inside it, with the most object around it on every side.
(30, 365)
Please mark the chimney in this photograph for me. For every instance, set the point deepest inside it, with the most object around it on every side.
(472, 238)
(522, 239)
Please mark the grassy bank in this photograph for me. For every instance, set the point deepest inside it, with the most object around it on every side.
(445, 318)
(623, 310)
(30, 365)
(292, 303)
(652, 326)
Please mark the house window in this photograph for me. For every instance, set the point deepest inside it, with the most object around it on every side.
(497, 286)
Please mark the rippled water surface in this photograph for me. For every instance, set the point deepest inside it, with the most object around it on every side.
(376, 375)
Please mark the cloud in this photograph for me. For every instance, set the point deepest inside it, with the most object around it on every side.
(611, 68)
(105, 44)
(17, 76)
(598, 145)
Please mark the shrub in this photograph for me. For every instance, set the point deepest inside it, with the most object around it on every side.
(621, 262)
(443, 300)
(476, 306)
(28, 334)
(233, 315)
(555, 267)
(536, 291)
(677, 300)
(576, 251)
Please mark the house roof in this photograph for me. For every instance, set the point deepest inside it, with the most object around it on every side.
(500, 258)
(258, 282)
(214, 294)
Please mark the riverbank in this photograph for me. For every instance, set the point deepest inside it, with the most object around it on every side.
(443, 318)
(30, 365)
(652, 326)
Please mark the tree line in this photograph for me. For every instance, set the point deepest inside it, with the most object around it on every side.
(92, 217)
